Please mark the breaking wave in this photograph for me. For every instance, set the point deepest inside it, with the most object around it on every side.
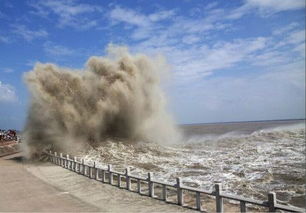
(117, 97)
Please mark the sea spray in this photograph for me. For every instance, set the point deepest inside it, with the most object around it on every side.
(117, 97)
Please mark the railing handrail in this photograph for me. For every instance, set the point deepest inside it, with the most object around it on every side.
(217, 193)
(247, 200)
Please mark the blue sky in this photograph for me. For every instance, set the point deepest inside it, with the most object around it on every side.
(230, 60)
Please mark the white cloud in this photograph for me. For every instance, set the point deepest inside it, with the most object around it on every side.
(285, 29)
(300, 48)
(161, 15)
(129, 16)
(8, 70)
(297, 37)
(266, 7)
(182, 40)
(276, 5)
(135, 18)
(190, 39)
(269, 58)
(198, 61)
(28, 34)
(7, 93)
(211, 5)
(166, 24)
(69, 13)
(57, 50)
(238, 12)
(278, 93)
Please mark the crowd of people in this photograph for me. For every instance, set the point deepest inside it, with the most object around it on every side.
(8, 135)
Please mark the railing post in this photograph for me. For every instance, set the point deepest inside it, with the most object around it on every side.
(128, 179)
(91, 170)
(110, 174)
(180, 198)
(71, 164)
(119, 180)
(61, 160)
(198, 201)
(86, 170)
(165, 192)
(272, 201)
(67, 162)
(78, 167)
(219, 199)
(103, 176)
(97, 174)
(151, 184)
(51, 157)
(56, 158)
(83, 167)
(242, 206)
(138, 186)
(75, 164)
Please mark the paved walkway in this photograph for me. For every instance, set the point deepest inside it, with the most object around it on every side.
(21, 191)
(45, 187)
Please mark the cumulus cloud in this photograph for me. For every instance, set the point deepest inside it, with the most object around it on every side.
(7, 93)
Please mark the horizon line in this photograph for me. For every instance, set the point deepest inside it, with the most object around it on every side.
(248, 121)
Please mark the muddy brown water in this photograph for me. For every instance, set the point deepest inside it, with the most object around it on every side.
(249, 158)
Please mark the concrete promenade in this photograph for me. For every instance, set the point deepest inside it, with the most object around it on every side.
(43, 187)
(20, 191)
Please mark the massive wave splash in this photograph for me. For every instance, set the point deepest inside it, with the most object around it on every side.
(117, 97)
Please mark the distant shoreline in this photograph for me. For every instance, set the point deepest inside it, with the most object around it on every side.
(233, 122)
(230, 122)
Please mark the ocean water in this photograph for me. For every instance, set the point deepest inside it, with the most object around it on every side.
(248, 158)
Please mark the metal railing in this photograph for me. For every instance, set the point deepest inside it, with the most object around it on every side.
(106, 175)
